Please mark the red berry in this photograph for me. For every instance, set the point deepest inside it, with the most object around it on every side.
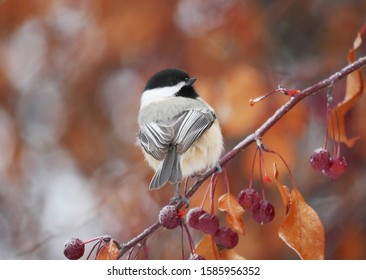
(319, 159)
(337, 166)
(226, 238)
(74, 249)
(193, 215)
(194, 256)
(263, 212)
(248, 198)
(169, 217)
(208, 223)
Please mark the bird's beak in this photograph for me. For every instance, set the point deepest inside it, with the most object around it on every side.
(190, 82)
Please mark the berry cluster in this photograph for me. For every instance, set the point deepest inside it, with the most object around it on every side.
(332, 167)
(170, 218)
(262, 210)
(225, 237)
(321, 160)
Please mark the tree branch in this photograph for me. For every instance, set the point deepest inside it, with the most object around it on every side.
(282, 111)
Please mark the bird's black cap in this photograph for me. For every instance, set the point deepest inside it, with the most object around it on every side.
(166, 78)
(170, 77)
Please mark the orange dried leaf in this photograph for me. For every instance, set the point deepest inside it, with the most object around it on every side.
(354, 90)
(108, 251)
(283, 190)
(302, 229)
(207, 248)
(231, 206)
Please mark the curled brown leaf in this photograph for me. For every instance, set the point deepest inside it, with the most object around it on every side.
(109, 251)
(231, 206)
(302, 229)
(354, 90)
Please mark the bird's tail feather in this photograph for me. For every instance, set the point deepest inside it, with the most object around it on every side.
(176, 171)
(169, 170)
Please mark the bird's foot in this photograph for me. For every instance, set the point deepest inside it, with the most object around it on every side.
(177, 198)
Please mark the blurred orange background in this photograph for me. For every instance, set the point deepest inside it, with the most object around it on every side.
(71, 75)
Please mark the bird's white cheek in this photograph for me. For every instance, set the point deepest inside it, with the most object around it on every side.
(158, 94)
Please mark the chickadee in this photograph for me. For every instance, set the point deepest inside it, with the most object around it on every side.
(179, 133)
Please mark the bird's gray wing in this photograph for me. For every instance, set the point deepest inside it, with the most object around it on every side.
(156, 138)
(191, 125)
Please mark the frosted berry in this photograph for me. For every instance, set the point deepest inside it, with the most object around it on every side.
(169, 217)
(195, 257)
(337, 166)
(74, 249)
(193, 215)
(226, 238)
(248, 198)
(263, 212)
(208, 223)
(320, 159)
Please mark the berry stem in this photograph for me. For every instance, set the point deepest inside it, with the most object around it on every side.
(92, 249)
(209, 188)
(285, 163)
(333, 133)
(326, 131)
(338, 133)
(182, 240)
(130, 253)
(100, 238)
(98, 248)
(260, 172)
(189, 236)
(330, 100)
(205, 196)
(213, 187)
(226, 181)
(252, 171)
(263, 163)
